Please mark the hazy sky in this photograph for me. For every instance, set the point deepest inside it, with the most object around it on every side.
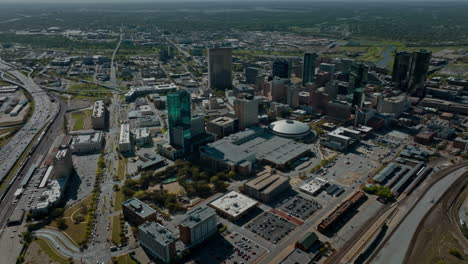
(171, 1)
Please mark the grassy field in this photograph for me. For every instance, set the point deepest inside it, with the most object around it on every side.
(50, 251)
(373, 54)
(76, 231)
(89, 91)
(116, 230)
(80, 118)
(266, 52)
(125, 259)
(118, 200)
(122, 169)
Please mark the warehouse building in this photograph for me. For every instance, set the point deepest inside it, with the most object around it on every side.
(266, 187)
(240, 150)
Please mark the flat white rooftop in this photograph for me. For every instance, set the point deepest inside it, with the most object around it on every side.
(124, 134)
(314, 185)
(233, 203)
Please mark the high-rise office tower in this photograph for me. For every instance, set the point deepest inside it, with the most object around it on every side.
(251, 74)
(327, 67)
(179, 119)
(400, 69)
(293, 96)
(220, 68)
(359, 71)
(281, 69)
(246, 111)
(308, 70)
(417, 73)
(346, 65)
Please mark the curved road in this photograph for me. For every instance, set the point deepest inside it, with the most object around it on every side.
(44, 111)
(68, 249)
(394, 250)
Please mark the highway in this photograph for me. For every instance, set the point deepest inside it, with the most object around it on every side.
(394, 250)
(44, 111)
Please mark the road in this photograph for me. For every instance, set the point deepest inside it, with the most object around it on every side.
(53, 125)
(113, 74)
(99, 247)
(44, 112)
(394, 250)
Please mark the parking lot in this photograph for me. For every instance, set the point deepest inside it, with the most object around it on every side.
(270, 227)
(300, 207)
(230, 248)
(85, 167)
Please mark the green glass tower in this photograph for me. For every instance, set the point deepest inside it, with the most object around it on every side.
(308, 70)
(179, 118)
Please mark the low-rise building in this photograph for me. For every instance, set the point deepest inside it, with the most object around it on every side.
(86, 142)
(158, 241)
(460, 143)
(314, 186)
(149, 121)
(341, 138)
(142, 136)
(239, 151)
(146, 110)
(266, 186)
(233, 205)
(424, 137)
(137, 212)
(198, 226)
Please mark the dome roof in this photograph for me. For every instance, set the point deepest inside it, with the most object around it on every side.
(290, 128)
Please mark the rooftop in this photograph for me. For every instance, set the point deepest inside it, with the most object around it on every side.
(124, 134)
(89, 137)
(197, 215)
(266, 183)
(139, 207)
(313, 185)
(98, 109)
(160, 233)
(289, 127)
(222, 121)
(234, 203)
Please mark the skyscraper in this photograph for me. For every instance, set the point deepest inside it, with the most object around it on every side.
(281, 69)
(293, 96)
(251, 74)
(359, 71)
(417, 73)
(247, 112)
(400, 69)
(308, 70)
(410, 72)
(327, 67)
(179, 118)
(220, 68)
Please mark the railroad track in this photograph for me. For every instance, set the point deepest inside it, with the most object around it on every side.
(337, 256)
